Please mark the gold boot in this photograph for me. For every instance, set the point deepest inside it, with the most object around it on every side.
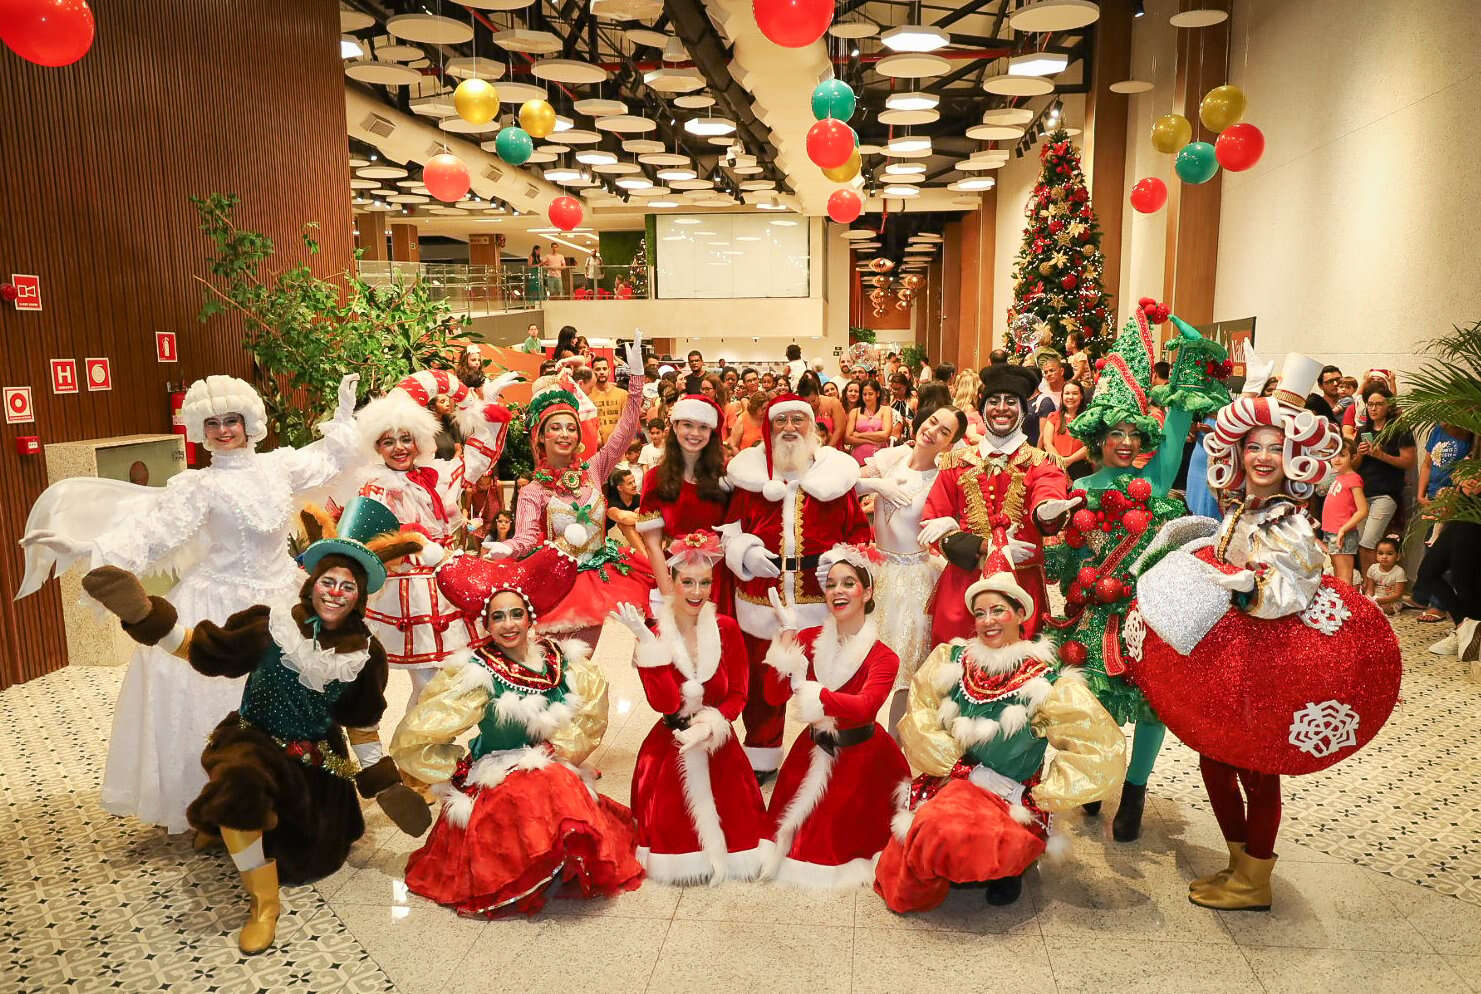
(1246, 889)
(262, 886)
(1236, 849)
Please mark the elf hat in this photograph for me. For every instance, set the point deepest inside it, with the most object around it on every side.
(542, 579)
(546, 405)
(785, 403)
(426, 384)
(367, 533)
(1124, 381)
(698, 408)
(997, 577)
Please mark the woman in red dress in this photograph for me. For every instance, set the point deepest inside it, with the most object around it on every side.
(845, 779)
(699, 810)
(686, 492)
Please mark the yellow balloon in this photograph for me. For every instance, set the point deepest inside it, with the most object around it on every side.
(1221, 107)
(847, 171)
(538, 118)
(1171, 132)
(476, 101)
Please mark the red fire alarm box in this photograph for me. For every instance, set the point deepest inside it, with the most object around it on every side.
(28, 445)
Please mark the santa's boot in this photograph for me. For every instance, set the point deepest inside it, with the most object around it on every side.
(1092, 809)
(1236, 849)
(1246, 889)
(1004, 890)
(1127, 826)
(260, 877)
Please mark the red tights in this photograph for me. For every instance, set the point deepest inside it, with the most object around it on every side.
(1255, 827)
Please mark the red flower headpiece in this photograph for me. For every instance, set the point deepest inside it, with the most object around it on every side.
(698, 547)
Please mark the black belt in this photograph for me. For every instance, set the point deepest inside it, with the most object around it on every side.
(676, 721)
(831, 742)
(800, 564)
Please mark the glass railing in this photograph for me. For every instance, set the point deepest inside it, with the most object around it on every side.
(512, 286)
(584, 283)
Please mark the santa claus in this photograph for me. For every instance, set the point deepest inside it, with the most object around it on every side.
(793, 500)
(1002, 482)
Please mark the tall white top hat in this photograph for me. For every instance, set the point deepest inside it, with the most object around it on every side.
(1297, 379)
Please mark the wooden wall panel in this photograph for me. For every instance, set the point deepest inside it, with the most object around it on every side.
(1106, 116)
(176, 98)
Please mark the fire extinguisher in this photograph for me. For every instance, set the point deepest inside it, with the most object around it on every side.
(177, 404)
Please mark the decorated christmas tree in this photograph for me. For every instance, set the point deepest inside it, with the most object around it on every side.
(1057, 275)
(638, 269)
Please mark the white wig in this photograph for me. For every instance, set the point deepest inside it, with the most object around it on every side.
(397, 411)
(217, 396)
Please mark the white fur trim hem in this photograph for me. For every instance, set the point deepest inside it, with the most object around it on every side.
(691, 868)
(764, 759)
(855, 873)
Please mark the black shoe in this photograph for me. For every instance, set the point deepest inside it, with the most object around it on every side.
(1004, 890)
(1092, 809)
(764, 777)
(1127, 826)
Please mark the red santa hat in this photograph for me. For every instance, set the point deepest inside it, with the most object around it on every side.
(426, 384)
(997, 577)
(698, 408)
(784, 403)
(542, 579)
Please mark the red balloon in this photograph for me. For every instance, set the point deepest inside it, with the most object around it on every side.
(829, 143)
(446, 178)
(1149, 195)
(793, 23)
(47, 32)
(565, 212)
(844, 206)
(1239, 147)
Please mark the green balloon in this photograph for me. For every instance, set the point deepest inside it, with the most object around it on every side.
(1196, 163)
(514, 145)
(833, 98)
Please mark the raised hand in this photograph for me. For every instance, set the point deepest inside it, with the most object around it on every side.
(349, 389)
(786, 617)
(119, 591)
(629, 617)
(634, 353)
(498, 384)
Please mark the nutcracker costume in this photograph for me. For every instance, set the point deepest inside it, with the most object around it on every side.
(282, 785)
(979, 727)
(224, 530)
(1124, 508)
(844, 779)
(519, 821)
(778, 524)
(566, 509)
(418, 627)
(698, 807)
(1252, 656)
(1002, 482)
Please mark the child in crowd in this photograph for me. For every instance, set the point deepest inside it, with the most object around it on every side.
(633, 462)
(652, 453)
(1386, 579)
(622, 505)
(1349, 390)
(503, 530)
(1343, 512)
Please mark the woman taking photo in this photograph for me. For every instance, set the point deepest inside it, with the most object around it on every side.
(1383, 461)
(1070, 453)
(869, 424)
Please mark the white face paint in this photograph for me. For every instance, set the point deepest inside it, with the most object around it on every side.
(1003, 413)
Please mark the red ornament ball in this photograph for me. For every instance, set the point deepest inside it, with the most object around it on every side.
(1076, 595)
(1074, 540)
(1108, 589)
(1073, 653)
(1239, 147)
(830, 142)
(1149, 195)
(1113, 502)
(1136, 521)
(1087, 576)
(565, 212)
(1069, 282)
(844, 206)
(446, 178)
(47, 32)
(793, 23)
(1140, 488)
(1083, 520)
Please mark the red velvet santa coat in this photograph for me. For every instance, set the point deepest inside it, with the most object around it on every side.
(689, 513)
(831, 813)
(816, 511)
(699, 810)
(975, 486)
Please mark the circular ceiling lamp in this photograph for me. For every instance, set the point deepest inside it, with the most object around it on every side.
(1053, 15)
(595, 157)
(979, 165)
(626, 124)
(1131, 86)
(646, 37)
(909, 146)
(871, 149)
(746, 170)
(518, 93)
(914, 38)
(380, 73)
(1008, 116)
(381, 171)
(904, 168)
(573, 71)
(912, 100)
(692, 184)
(994, 132)
(353, 20)
(458, 126)
(528, 41)
(1018, 86)
(562, 175)
(853, 29)
(439, 105)
(1199, 17)
(364, 184)
(580, 136)
(663, 203)
(626, 10)
(642, 146)
(497, 4)
(859, 234)
(1038, 64)
(694, 101)
(907, 118)
(758, 184)
(671, 79)
(708, 127)
(635, 183)
(398, 53)
(597, 107)
(429, 29)
(616, 168)
(563, 124)
(379, 206)
(664, 159)
(676, 173)
(973, 185)
(912, 65)
(465, 67)
(535, 157)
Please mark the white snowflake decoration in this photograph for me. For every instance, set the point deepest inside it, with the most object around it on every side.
(1322, 729)
(1326, 612)
(1134, 635)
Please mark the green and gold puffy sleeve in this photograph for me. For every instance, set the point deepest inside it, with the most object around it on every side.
(1087, 760)
(583, 733)
(424, 745)
(927, 744)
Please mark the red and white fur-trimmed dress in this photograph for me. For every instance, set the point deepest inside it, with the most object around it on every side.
(833, 804)
(699, 810)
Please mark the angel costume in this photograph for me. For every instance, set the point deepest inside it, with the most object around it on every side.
(226, 528)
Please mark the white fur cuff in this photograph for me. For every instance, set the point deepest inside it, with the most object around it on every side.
(808, 702)
(652, 653)
(788, 660)
(708, 730)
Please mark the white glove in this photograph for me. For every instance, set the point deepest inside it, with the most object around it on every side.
(431, 553)
(761, 564)
(1053, 510)
(786, 617)
(496, 550)
(349, 387)
(891, 493)
(632, 619)
(1241, 582)
(1019, 550)
(496, 386)
(935, 530)
(59, 547)
(634, 353)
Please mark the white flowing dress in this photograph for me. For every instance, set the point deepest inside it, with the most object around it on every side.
(907, 577)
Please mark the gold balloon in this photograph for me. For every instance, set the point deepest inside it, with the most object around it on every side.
(902, 305)
(912, 281)
(877, 296)
(1221, 107)
(1171, 132)
(476, 101)
(538, 118)
(847, 171)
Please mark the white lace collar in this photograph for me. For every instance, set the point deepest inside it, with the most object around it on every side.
(316, 667)
(835, 660)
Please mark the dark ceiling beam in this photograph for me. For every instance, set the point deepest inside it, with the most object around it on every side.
(961, 72)
(573, 37)
(961, 12)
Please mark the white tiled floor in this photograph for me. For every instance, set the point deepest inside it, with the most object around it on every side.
(88, 902)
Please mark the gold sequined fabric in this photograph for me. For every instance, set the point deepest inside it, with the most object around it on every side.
(1089, 757)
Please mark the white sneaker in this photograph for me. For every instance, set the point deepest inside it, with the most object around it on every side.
(1468, 638)
(1447, 646)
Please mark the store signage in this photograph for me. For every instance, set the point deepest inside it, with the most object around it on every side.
(99, 376)
(18, 408)
(27, 292)
(64, 376)
(164, 346)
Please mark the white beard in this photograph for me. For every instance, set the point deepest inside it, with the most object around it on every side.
(794, 458)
